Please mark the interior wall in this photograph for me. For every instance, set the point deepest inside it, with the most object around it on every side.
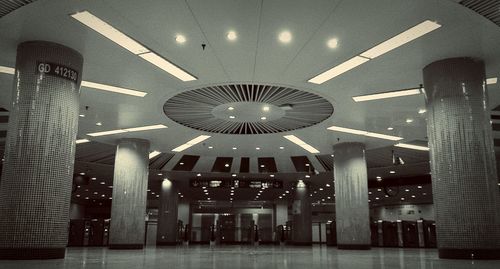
(76, 211)
(403, 212)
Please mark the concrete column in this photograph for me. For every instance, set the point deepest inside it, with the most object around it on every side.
(281, 212)
(37, 173)
(464, 177)
(351, 196)
(302, 223)
(167, 214)
(130, 184)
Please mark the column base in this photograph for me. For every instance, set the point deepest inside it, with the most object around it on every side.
(166, 243)
(31, 253)
(126, 246)
(469, 254)
(307, 244)
(354, 247)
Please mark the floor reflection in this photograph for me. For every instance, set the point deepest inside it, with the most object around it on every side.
(250, 257)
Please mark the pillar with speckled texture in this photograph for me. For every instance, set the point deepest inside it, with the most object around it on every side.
(166, 233)
(351, 196)
(130, 183)
(464, 176)
(35, 189)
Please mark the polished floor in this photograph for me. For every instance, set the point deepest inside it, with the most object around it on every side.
(231, 257)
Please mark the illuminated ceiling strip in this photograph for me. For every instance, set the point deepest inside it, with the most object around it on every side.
(115, 35)
(491, 81)
(154, 154)
(81, 141)
(191, 143)
(410, 146)
(384, 95)
(384, 47)
(364, 133)
(399, 40)
(7, 70)
(114, 89)
(301, 143)
(127, 130)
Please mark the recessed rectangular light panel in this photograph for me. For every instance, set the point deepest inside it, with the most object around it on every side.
(113, 34)
(410, 146)
(81, 141)
(135, 129)
(364, 133)
(384, 95)
(384, 47)
(7, 70)
(109, 88)
(301, 143)
(153, 154)
(191, 143)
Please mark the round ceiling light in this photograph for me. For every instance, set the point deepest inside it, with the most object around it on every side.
(285, 37)
(333, 43)
(231, 35)
(180, 39)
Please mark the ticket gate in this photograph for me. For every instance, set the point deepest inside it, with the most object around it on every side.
(390, 233)
(410, 234)
(96, 232)
(331, 234)
(374, 233)
(76, 233)
(429, 230)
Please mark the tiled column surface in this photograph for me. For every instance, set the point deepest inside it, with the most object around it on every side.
(130, 184)
(167, 214)
(464, 177)
(351, 196)
(40, 150)
(302, 224)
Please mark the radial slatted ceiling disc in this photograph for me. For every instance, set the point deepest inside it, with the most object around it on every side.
(247, 109)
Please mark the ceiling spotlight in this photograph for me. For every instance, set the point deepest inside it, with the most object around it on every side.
(179, 164)
(265, 108)
(235, 148)
(422, 111)
(308, 176)
(409, 120)
(262, 166)
(282, 147)
(82, 115)
(271, 175)
(419, 187)
(230, 108)
(392, 172)
(333, 43)
(257, 148)
(285, 37)
(98, 123)
(263, 118)
(226, 165)
(198, 175)
(232, 117)
(180, 39)
(231, 35)
(210, 147)
(390, 128)
(233, 175)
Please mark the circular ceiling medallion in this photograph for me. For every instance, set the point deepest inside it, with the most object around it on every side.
(247, 109)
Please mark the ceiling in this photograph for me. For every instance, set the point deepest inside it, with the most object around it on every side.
(255, 57)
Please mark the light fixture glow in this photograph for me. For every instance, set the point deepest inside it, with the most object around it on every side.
(191, 143)
(265, 108)
(109, 88)
(392, 172)
(7, 70)
(230, 108)
(134, 129)
(338, 70)
(153, 154)
(407, 36)
(333, 43)
(109, 32)
(98, 123)
(285, 37)
(235, 148)
(409, 120)
(180, 39)
(232, 117)
(263, 118)
(410, 146)
(282, 147)
(81, 141)
(301, 143)
(390, 128)
(112, 132)
(489, 81)
(384, 95)
(231, 35)
(167, 66)
(422, 111)
(364, 133)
